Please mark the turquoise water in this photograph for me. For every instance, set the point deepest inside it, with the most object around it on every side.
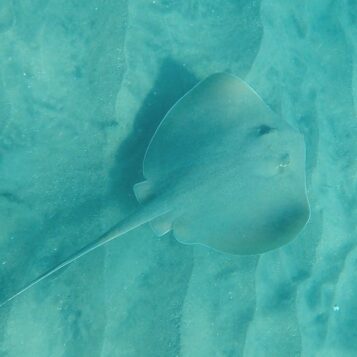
(83, 86)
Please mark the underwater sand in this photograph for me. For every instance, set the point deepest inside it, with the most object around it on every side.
(83, 86)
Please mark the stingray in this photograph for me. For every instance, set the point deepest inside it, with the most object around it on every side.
(222, 170)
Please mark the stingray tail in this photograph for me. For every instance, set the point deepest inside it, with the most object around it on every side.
(137, 219)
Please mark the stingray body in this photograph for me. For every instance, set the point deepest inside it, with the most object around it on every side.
(222, 170)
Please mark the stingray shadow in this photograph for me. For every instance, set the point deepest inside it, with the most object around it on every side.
(173, 81)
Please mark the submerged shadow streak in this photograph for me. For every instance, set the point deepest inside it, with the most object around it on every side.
(171, 84)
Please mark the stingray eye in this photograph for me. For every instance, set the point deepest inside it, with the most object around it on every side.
(264, 130)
